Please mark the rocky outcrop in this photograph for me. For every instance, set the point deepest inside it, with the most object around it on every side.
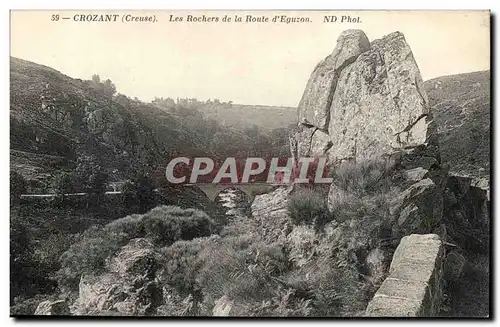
(414, 285)
(314, 107)
(127, 287)
(369, 106)
(418, 208)
(364, 100)
(271, 214)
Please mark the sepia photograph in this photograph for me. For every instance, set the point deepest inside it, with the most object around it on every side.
(231, 163)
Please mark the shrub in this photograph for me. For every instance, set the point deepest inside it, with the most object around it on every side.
(62, 183)
(308, 207)
(331, 285)
(49, 250)
(163, 225)
(132, 226)
(243, 268)
(181, 265)
(166, 224)
(364, 177)
(18, 186)
(88, 255)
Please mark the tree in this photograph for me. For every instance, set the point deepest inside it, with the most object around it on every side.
(108, 88)
(145, 192)
(96, 79)
(62, 183)
(18, 186)
(90, 176)
(139, 192)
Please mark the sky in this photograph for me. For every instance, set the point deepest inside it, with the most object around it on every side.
(247, 63)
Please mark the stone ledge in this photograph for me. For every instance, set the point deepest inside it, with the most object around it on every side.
(413, 286)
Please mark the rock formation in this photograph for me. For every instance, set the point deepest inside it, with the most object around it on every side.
(364, 99)
(366, 102)
(128, 286)
(314, 108)
(52, 308)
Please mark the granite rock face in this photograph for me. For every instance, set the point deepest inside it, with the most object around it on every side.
(379, 103)
(314, 106)
(418, 208)
(364, 100)
(270, 213)
(128, 287)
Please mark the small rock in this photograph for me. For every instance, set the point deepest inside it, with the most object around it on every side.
(222, 306)
(377, 264)
(416, 174)
(49, 308)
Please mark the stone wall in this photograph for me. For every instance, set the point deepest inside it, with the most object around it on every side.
(414, 285)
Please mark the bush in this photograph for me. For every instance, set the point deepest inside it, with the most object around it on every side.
(331, 285)
(181, 265)
(163, 225)
(364, 177)
(88, 255)
(166, 224)
(49, 250)
(132, 226)
(61, 183)
(308, 207)
(243, 268)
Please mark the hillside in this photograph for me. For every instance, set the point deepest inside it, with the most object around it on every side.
(55, 118)
(241, 115)
(461, 105)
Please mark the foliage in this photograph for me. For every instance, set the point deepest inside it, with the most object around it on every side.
(163, 225)
(62, 183)
(88, 255)
(331, 284)
(364, 177)
(49, 250)
(308, 207)
(181, 264)
(242, 268)
(167, 224)
(139, 193)
(26, 276)
(90, 175)
(18, 186)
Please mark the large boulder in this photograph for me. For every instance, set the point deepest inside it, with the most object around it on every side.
(366, 100)
(379, 104)
(314, 106)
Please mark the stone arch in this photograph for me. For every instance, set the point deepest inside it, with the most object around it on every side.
(212, 190)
